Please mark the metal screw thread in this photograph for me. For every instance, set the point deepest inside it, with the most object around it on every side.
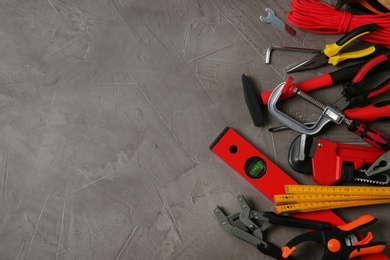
(347, 121)
(315, 102)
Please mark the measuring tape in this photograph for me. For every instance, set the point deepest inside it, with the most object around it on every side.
(297, 198)
(341, 190)
(325, 205)
(307, 198)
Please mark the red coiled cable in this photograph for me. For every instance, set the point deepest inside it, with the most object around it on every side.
(322, 18)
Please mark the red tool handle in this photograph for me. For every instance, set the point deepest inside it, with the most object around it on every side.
(326, 80)
(370, 135)
(369, 113)
(381, 89)
(368, 66)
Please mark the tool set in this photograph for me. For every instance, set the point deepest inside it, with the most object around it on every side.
(354, 97)
(368, 134)
(270, 180)
(257, 103)
(328, 162)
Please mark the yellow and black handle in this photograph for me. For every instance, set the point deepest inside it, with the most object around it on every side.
(332, 50)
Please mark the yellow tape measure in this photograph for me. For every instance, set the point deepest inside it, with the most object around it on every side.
(345, 190)
(325, 205)
(305, 198)
(297, 198)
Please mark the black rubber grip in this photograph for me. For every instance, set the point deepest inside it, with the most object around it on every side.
(295, 222)
(348, 73)
(382, 104)
(357, 31)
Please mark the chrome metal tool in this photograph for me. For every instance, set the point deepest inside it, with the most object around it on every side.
(327, 115)
(275, 21)
(287, 48)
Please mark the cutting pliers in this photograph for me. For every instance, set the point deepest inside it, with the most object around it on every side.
(355, 95)
(244, 225)
(331, 53)
(340, 242)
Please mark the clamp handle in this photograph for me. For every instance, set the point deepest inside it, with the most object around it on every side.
(331, 241)
(358, 223)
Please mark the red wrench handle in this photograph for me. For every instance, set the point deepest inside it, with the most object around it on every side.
(369, 113)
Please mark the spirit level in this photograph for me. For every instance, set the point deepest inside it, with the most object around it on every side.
(266, 176)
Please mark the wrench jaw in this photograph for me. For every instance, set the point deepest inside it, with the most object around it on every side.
(270, 16)
(286, 119)
(275, 21)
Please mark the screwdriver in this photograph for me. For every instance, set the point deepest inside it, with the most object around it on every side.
(368, 134)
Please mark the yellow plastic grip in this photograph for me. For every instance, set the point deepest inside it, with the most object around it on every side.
(333, 48)
(334, 60)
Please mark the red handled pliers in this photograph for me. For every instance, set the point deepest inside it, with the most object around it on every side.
(355, 96)
(256, 102)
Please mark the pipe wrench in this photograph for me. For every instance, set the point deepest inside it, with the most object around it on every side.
(331, 162)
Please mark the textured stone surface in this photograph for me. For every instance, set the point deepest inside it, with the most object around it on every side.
(107, 111)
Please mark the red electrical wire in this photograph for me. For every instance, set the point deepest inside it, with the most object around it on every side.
(322, 18)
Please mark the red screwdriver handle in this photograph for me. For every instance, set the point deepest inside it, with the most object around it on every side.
(370, 135)
(370, 113)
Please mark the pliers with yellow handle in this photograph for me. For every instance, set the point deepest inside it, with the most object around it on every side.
(331, 53)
